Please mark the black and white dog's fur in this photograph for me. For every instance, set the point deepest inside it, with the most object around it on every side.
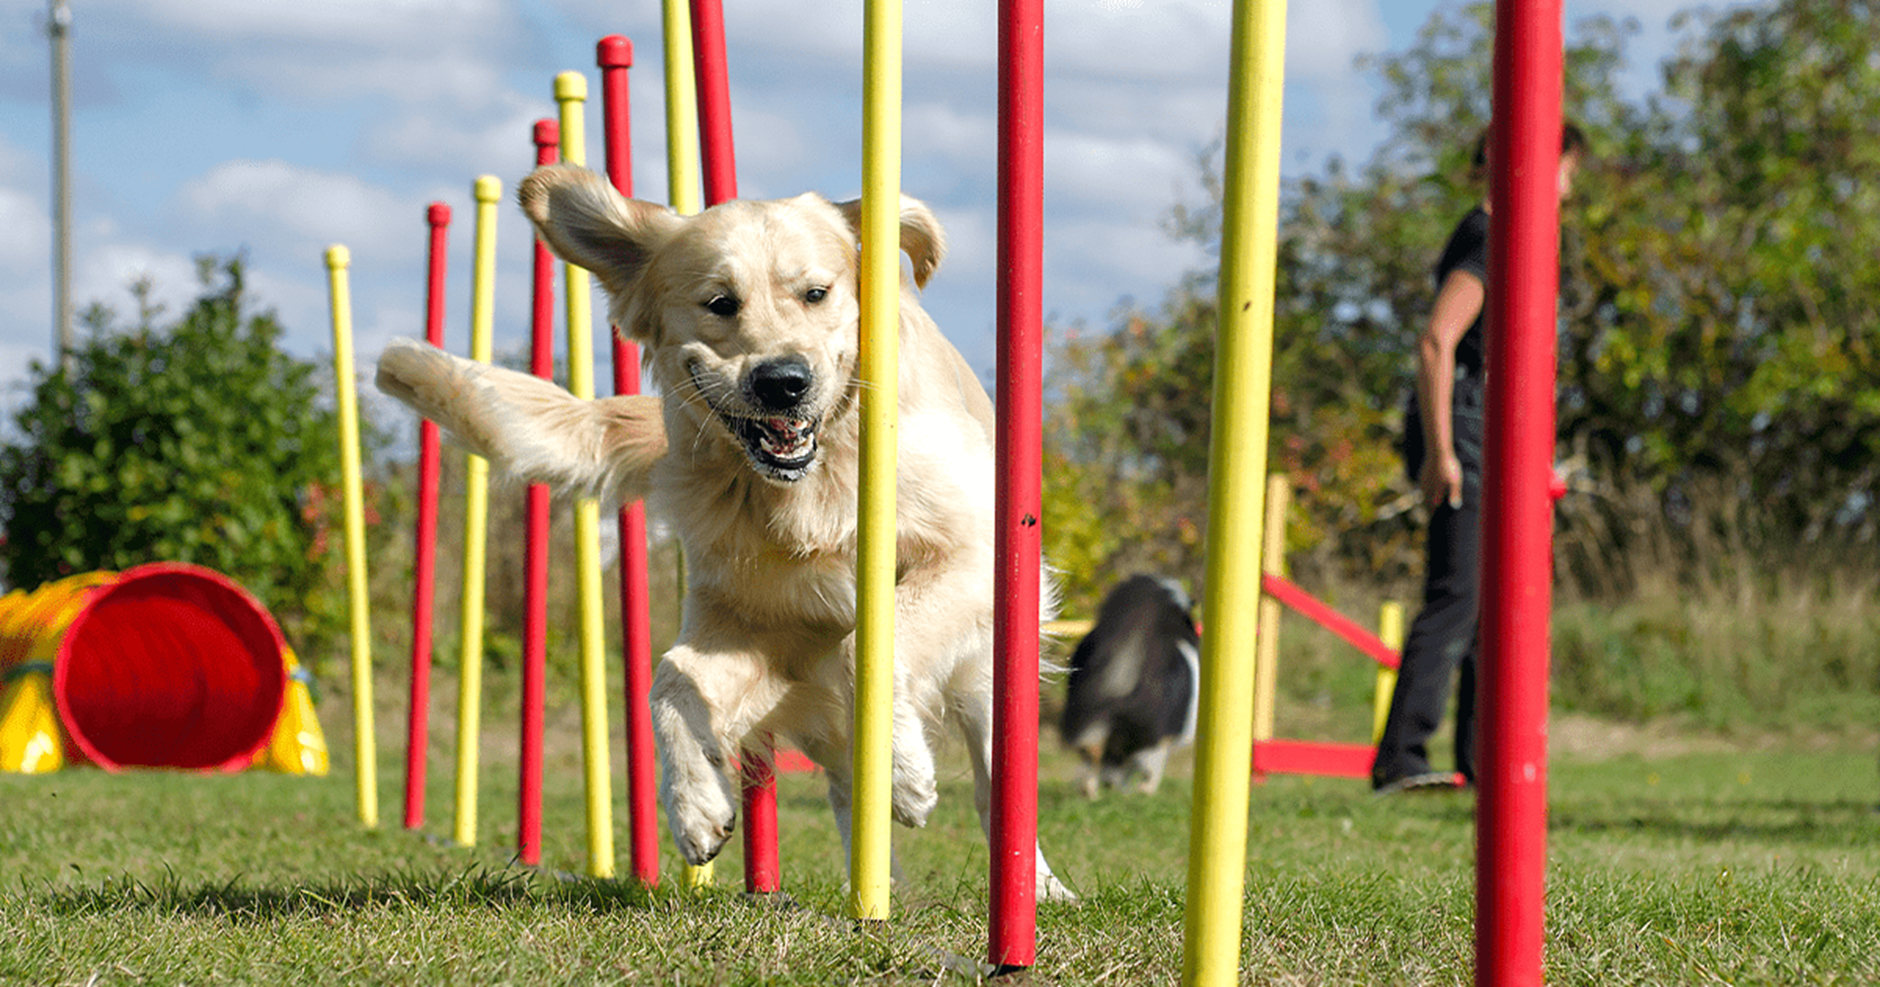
(1134, 682)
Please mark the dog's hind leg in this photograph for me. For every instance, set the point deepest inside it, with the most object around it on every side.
(975, 716)
(703, 704)
(1152, 762)
(1091, 751)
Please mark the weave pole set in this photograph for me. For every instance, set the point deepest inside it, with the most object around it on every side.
(570, 91)
(1511, 849)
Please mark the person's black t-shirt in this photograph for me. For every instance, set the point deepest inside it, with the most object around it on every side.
(1467, 251)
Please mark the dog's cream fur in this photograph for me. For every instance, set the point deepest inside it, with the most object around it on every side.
(748, 315)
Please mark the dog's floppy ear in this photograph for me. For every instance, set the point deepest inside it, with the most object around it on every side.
(921, 235)
(586, 223)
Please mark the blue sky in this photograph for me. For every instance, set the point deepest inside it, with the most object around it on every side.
(278, 127)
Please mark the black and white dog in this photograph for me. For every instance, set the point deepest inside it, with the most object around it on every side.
(1134, 682)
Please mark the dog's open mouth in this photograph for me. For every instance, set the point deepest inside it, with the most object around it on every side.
(781, 447)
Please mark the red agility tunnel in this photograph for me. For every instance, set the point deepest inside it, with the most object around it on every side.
(169, 665)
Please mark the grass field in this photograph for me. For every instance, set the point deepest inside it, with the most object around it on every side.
(1672, 860)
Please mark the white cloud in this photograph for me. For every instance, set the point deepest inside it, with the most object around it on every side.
(1323, 39)
(277, 201)
(105, 273)
(496, 140)
(399, 24)
(1120, 178)
(443, 52)
(25, 232)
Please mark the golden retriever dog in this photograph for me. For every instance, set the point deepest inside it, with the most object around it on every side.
(748, 316)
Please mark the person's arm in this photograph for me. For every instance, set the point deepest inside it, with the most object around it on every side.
(1458, 302)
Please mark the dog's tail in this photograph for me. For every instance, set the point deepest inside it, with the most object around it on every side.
(527, 427)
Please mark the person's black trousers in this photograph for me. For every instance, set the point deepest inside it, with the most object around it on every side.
(1442, 639)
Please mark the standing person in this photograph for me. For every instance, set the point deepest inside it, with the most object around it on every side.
(1443, 430)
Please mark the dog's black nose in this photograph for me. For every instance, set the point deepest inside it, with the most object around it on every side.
(781, 383)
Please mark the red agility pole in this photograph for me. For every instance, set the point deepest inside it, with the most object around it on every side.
(615, 56)
(1511, 811)
(714, 101)
(762, 869)
(424, 565)
(1012, 922)
(547, 135)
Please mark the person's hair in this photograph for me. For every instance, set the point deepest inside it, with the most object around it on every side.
(1572, 142)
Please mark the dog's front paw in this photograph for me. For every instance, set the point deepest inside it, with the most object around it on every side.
(700, 834)
(1045, 885)
(702, 817)
(1049, 888)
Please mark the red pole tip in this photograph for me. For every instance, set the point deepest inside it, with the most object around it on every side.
(547, 133)
(438, 214)
(614, 52)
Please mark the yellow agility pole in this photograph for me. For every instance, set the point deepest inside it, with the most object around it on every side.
(880, 358)
(1266, 636)
(365, 750)
(1390, 630)
(571, 96)
(682, 191)
(682, 165)
(1217, 849)
(476, 512)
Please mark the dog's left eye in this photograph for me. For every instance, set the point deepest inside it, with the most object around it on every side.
(723, 305)
(815, 295)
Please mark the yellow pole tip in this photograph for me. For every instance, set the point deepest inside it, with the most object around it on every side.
(488, 188)
(337, 256)
(571, 85)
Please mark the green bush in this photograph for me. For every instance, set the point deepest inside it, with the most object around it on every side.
(196, 442)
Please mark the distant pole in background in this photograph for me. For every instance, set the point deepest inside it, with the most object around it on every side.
(487, 191)
(614, 53)
(424, 553)
(683, 191)
(359, 617)
(59, 29)
(577, 307)
(547, 136)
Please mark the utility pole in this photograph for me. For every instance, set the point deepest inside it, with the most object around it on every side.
(58, 29)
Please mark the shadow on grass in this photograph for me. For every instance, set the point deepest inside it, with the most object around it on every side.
(477, 886)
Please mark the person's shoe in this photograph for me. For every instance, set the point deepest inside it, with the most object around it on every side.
(1422, 781)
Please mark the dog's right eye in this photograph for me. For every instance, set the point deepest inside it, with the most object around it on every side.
(722, 305)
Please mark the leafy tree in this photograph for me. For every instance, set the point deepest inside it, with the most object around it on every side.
(1719, 374)
(196, 442)
(1729, 367)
